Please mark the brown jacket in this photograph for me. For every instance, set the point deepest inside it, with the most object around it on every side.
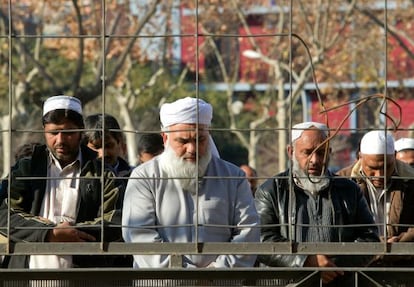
(402, 197)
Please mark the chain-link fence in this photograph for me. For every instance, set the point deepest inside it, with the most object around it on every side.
(263, 65)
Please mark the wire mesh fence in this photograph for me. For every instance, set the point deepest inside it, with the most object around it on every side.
(263, 65)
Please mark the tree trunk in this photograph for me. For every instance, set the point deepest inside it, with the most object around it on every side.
(6, 147)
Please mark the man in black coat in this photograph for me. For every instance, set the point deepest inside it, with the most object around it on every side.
(319, 201)
(56, 194)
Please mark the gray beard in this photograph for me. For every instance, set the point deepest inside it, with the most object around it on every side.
(185, 172)
(310, 183)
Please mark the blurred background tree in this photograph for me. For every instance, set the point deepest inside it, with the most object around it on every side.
(126, 58)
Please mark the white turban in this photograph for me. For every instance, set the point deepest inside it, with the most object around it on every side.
(377, 142)
(184, 111)
(298, 129)
(404, 143)
(62, 103)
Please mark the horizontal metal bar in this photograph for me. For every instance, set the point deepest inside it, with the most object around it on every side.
(169, 273)
(160, 274)
(331, 248)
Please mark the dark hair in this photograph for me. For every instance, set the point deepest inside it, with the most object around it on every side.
(253, 170)
(96, 122)
(150, 143)
(61, 115)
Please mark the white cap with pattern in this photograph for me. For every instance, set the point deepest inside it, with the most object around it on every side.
(62, 103)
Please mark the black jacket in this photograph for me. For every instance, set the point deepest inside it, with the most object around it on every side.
(350, 207)
(26, 197)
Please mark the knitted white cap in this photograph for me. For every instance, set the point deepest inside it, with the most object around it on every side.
(377, 142)
(298, 129)
(62, 103)
(404, 143)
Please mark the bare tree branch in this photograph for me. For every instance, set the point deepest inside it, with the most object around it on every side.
(79, 65)
(152, 9)
(23, 48)
(398, 35)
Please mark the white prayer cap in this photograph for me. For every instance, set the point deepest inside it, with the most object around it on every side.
(62, 103)
(377, 142)
(184, 111)
(404, 143)
(298, 129)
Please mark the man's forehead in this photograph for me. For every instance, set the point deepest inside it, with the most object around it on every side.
(61, 126)
(406, 151)
(379, 158)
(313, 131)
(310, 136)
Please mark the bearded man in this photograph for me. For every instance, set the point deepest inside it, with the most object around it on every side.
(189, 194)
(316, 202)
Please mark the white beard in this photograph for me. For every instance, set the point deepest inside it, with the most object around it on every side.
(185, 172)
(310, 183)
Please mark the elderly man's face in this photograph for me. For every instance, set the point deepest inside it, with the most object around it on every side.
(182, 138)
(377, 167)
(311, 161)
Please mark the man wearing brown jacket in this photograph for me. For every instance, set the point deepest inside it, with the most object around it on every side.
(384, 178)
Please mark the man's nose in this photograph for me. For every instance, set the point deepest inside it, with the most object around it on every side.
(313, 158)
(191, 147)
(379, 172)
(60, 137)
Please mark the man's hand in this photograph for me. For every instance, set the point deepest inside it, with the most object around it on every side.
(64, 232)
(393, 239)
(323, 261)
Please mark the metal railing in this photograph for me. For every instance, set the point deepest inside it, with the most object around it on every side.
(201, 277)
(177, 276)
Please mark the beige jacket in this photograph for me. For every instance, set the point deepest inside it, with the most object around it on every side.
(401, 198)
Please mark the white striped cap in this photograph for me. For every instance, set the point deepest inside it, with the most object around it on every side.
(62, 103)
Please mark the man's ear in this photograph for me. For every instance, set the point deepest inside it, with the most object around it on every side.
(289, 149)
(164, 137)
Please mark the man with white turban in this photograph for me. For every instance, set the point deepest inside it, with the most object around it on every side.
(384, 178)
(310, 204)
(189, 194)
